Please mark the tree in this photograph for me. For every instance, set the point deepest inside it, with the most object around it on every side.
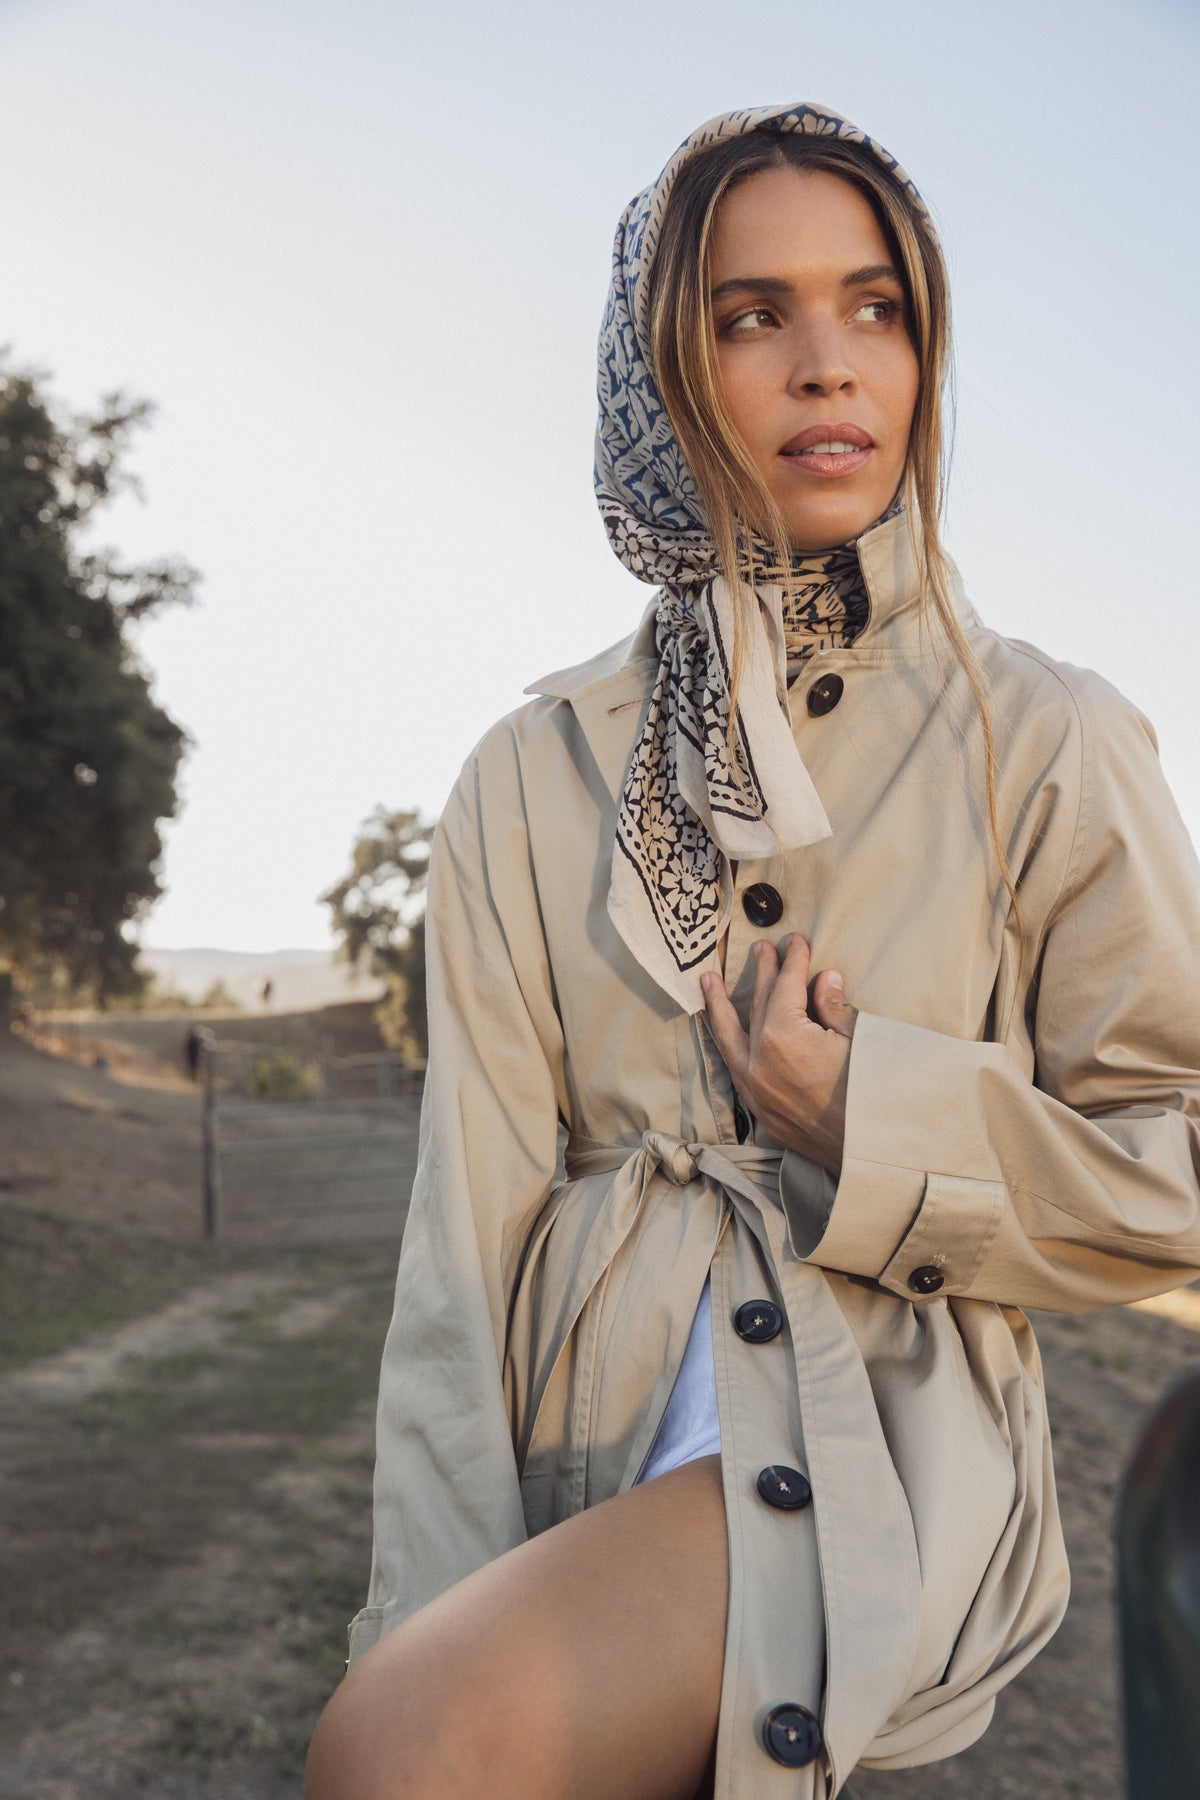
(378, 913)
(88, 760)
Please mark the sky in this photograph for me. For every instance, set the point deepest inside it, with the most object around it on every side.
(356, 254)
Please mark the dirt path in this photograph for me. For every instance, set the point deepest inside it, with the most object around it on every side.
(186, 1502)
(198, 1321)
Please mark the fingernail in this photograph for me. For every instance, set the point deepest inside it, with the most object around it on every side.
(706, 982)
(836, 983)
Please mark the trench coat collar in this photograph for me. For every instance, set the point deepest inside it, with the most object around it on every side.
(604, 690)
(607, 694)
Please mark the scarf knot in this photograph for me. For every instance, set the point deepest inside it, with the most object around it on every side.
(694, 800)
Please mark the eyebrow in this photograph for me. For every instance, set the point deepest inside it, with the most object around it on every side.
(872, 272)
(774, 284)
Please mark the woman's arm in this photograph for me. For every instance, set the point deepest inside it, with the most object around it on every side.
(447, 1496)
(958, 1175)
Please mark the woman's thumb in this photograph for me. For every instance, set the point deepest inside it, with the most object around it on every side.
(830, 1004)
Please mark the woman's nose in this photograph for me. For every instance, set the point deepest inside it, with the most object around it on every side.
(820, 364)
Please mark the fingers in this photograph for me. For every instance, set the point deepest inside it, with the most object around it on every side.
(797, 960)
(779, 987)
(766, 973)
(732, 1041)
(830, 1005)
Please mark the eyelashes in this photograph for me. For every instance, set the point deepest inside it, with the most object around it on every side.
(755, 319)
(891, 309)
(738, 326)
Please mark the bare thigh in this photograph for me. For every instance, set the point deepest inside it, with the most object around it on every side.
(585, 1665)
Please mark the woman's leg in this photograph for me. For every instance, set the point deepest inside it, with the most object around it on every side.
(585, 1665)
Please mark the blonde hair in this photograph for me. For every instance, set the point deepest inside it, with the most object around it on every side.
(749, 534)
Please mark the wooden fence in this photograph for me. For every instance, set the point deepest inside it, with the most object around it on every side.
(336, 1166)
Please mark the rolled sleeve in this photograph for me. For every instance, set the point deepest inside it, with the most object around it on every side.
(1074, 1183)
(891, 1211)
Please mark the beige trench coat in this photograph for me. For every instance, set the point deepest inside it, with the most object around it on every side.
(1022, 1124)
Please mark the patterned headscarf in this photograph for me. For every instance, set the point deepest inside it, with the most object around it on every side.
(684, 816)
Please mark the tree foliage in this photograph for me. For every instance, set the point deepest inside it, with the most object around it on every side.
(88, 760)
(378, 913)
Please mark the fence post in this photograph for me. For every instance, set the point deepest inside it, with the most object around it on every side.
(212, 1150)
(1158, 1548)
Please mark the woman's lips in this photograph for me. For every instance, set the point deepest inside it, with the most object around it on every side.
(829, 450)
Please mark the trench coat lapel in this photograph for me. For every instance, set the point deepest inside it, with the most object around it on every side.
(607, 695)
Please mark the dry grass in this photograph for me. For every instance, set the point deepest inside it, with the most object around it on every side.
(185, 1544)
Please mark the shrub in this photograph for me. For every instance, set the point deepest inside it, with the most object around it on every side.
(283, 1076)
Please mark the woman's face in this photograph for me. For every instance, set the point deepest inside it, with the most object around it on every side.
(817, 367)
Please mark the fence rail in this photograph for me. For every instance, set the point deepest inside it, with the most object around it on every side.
(330, 1168)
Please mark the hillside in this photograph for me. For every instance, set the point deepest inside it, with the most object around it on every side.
(299, 978)
(88, 1146)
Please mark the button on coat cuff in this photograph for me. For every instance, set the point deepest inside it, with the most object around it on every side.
(951, 1235)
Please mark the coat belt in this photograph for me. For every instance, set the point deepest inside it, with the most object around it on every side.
(742, 1169)
(867, 1553)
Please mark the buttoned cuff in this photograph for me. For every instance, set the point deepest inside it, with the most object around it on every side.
(919, 1200)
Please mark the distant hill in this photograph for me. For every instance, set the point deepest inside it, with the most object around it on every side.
(299, 978)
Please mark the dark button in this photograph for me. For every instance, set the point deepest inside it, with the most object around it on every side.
(762, 904)
(792, 1736)
(742, 1122)
(926, 1280)
(758, 1321)
(824, 695)
(785, 1488)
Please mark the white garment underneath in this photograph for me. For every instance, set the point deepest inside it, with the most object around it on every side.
(690, 1426)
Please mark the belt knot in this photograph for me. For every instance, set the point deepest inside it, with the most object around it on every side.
(671, 1155)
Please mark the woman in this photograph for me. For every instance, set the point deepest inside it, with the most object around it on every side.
(722, 1465)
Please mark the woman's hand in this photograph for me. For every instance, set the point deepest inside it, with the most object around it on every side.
(791, 1068)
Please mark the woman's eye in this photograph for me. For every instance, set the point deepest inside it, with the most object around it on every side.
(753, 320)
(879, 312)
